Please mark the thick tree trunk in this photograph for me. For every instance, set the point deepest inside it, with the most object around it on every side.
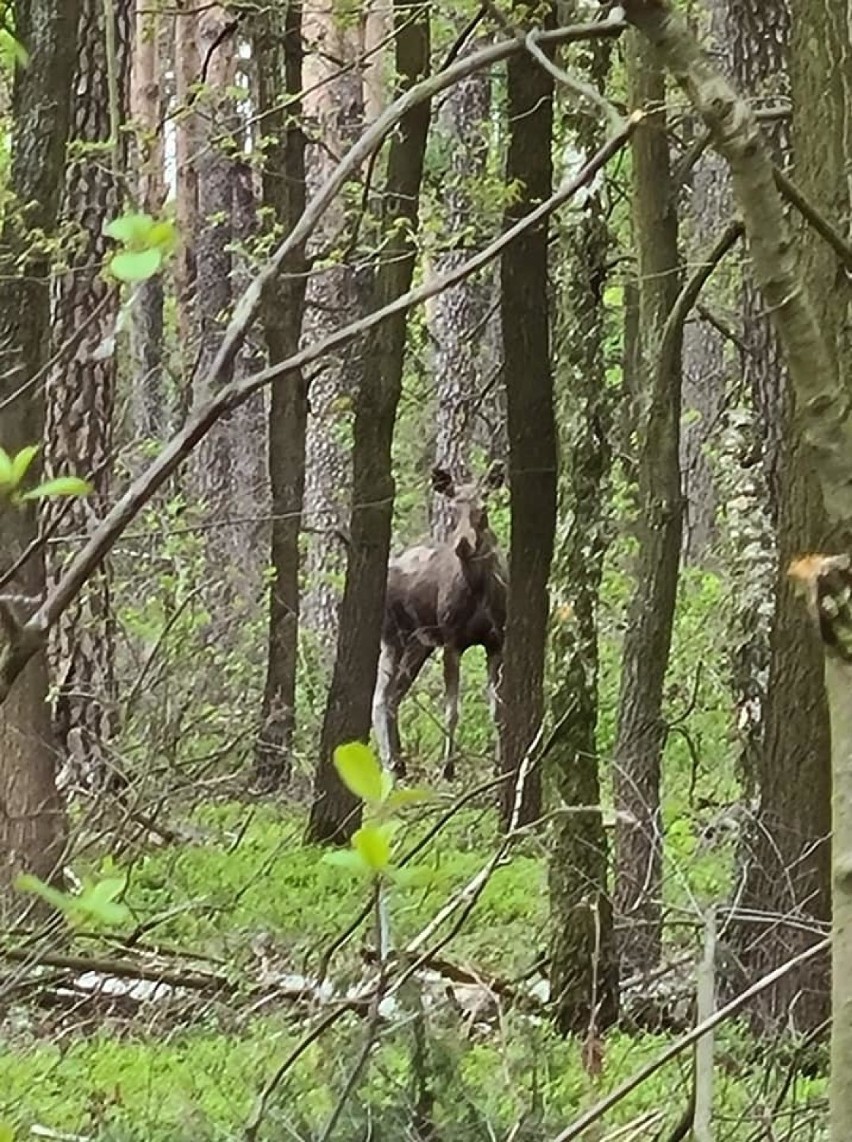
(81, 397)
(148, 399)
(278, 55)
(531, 430)
(583, 965)
(785, 847)
(457, 317)
(336, 295)
(641, 729)
(347, 714)
(32, 823)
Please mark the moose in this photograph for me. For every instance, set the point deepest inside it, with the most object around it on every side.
(448, 595)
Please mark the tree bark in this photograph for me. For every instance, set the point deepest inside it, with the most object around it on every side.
(279, 64)
(457, 316)
(32, 822)
(149, 407)
(337, 294)
(785, 845)
(81, 396)
(641, 730)
(334, 813)
(583, 964)
(187, 74)
(531, 429)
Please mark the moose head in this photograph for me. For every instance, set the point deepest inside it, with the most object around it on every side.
(470, 531)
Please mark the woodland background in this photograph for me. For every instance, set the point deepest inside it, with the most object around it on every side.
(186, 646)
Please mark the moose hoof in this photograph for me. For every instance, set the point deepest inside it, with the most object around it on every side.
(449, 771)
(399, 768)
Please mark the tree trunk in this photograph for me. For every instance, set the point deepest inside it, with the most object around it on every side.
(334, 814)
(531, 430)
(187, 138)
(583, 965)
(641, 730)
(279, 65)
(148, 397)
(32, 823)
(705, 372)
(785, 847)
(81, 395)
(457, 316)
(336, 295)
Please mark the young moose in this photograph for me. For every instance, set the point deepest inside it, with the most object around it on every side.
(450, 595)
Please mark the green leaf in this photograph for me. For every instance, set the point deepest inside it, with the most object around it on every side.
(163, 235)
(348, 859)
(61, 486)
(135, 265)
(372, 842)
(28, 883)
(98, 901)
(22, 462)
(359, 771)
(415, 876)
(7, 1132)
(132, 230)
(7, 471)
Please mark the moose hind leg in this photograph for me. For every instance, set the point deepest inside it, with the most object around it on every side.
(451, 710)
(495, 705)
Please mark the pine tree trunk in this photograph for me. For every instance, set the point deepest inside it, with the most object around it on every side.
(335, 296)
(785, 847)
(641, 730)
(279, 68)
(32, 822)
(148, 398)
(81, 396)
(187, 139)
(334, 816)
(457, 316)
(705, 372)
(531, 429)
(584, 969)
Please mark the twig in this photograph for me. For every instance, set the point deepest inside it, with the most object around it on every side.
(596, 1112)
(813, 217)
(585, 90)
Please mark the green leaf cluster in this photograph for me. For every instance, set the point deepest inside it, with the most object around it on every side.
(371, 851)
(147, 243)
(96, 904)
(13, 469)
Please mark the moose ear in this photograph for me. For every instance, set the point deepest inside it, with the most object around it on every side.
(442, 482)
(496, 474)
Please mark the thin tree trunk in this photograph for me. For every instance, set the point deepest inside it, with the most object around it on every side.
(347, 714)
(149, 410)
(279, 65)
(336, 295)
(81, 395)
(584, 968)
(457, 316)
(32, 822)
(187, 74)
(641, 729)
(531, 428)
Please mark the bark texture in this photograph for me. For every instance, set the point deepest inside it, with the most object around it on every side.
(81, 395)
(458, 316)
(32, 823)
(150, 414)
(337, 294)
(531, 429)
(278, 52)
(584, 972)
(334, 815)
(641, 730)
(785, 850)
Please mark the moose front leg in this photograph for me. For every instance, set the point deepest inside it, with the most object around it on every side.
(451, 710)
(495, 700)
